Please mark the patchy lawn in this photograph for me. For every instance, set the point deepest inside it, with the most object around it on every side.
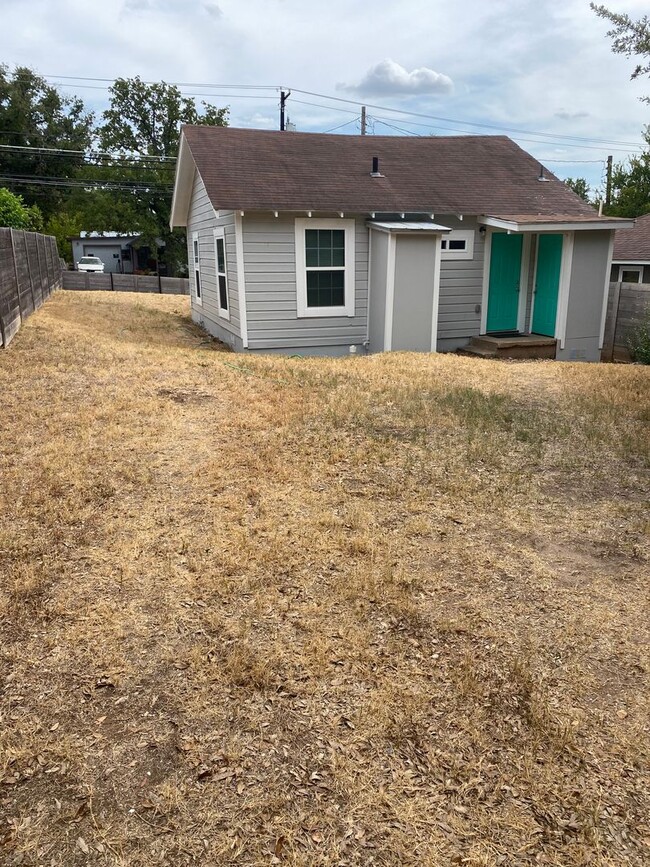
(388, 610)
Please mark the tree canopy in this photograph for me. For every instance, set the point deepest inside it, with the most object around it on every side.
(33, 114)
(113, 173)
(580, 187)
(629, 37)
(14, 214)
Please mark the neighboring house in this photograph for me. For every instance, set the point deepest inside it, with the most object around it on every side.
(113, 249)
(631, 262)
(325, 244)
(120, 254)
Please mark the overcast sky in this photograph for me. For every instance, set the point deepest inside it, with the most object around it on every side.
(523, 67)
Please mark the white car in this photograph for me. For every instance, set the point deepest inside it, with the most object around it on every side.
(90, 263)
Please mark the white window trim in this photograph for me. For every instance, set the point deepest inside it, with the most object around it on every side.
(466, 235)
(346, 309)
(637, 268)
(196, 269)
(220, 234)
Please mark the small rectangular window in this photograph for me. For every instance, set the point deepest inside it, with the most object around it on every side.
(627, 274)
(221, 272)
(458, 244)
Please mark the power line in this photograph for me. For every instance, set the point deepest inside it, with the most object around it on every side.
(341, 125)
(84, 184)
(33, 150)
(397, 128)
(174, 83)
(340, 99)
(464, 131)
(464, 122)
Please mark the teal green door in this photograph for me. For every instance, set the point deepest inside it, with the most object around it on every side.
(505, 274)
(547, 284)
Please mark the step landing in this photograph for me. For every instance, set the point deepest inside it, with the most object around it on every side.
(521, 346)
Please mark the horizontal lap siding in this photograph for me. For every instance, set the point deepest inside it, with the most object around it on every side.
(461, 286)
(203, 219)
(271, 292)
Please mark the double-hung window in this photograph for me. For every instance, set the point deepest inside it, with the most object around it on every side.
(196, 257)
(325, 267)
(222, 272)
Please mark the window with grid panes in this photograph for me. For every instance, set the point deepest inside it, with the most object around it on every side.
(325, 266)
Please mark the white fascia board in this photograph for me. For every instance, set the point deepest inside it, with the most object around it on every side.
(408, 227)
(512, 226)
(183, 183)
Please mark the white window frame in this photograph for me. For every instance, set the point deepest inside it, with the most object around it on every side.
(220, 235)
(466, 235)
(196, 269)
(347, 309)
(637, 268)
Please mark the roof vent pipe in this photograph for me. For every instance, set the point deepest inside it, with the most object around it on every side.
(375, 173)
(541, 174)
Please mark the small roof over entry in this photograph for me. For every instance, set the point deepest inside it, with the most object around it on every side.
(554, 222)
(407, 227)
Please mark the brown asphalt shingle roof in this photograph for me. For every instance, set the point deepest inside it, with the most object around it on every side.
(633, 245)
(259, 169)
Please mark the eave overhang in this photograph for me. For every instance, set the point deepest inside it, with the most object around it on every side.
(557, 223)
(183, 183)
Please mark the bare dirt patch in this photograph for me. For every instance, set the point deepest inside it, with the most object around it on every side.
(387, 610)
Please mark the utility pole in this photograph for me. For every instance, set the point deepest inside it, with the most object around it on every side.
(608, 188)
(283, 99)
(363, 120)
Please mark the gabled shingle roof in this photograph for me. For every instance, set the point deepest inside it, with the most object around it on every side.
(258, 169)
(633, 245)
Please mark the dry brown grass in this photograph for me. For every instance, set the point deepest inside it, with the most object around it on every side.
(388, 610)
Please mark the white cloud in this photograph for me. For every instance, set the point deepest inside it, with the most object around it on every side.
(389, 77)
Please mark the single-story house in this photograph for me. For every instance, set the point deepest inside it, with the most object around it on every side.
(121, 254)
(327, 244)
(631, 262)
(113, 249)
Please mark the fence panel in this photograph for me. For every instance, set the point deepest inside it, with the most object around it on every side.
(23, 282)
(126, 283)
(628, 305)
(27, 277)
(9, 305)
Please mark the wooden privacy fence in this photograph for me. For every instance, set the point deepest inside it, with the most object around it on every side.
(126, 283)
(29, 270)
(627, 307)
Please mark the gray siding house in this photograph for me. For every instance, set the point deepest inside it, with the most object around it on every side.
(631, 262)
(328, 244)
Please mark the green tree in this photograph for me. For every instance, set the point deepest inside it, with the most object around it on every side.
(580, 187)
(33, 114)
(16, 215)
(142, 124)
(64, 225)
(631, 187)
(629, 37)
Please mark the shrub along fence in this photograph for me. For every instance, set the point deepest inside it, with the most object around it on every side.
(628, 306)
(126, 283)
(29, 270)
